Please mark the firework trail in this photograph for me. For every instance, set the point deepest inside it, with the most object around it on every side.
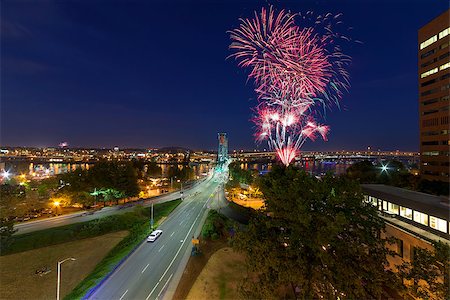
(298, 72)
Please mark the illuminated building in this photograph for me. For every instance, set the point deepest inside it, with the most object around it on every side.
(434, 84)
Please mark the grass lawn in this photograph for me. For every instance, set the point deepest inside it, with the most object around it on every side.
(220, 277)
(138, 232)
(17, 271)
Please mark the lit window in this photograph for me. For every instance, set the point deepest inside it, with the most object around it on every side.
(430, 72)
(385, 205)
(421, 218)
(442, 67)
(392, 208)
(438, 224)
(373, 200)
(406, 212)
(444, 33)
(428, 42)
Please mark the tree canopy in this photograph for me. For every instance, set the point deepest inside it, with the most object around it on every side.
(316, 238)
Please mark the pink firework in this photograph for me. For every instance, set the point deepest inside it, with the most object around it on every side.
(294, 68)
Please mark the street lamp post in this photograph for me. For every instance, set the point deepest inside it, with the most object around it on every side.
(59, 275)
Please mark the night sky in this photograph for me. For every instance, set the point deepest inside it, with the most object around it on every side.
(154, 73)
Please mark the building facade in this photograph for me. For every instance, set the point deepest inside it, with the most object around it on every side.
(434, 84)
(413, 220)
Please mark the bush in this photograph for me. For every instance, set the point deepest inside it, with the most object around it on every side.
(216, 225)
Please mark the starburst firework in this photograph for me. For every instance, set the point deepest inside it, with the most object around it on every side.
(296, 69)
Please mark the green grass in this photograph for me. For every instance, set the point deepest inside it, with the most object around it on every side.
(77, 231)
(138, 232)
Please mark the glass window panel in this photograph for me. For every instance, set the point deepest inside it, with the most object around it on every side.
(406, 212)
(392, 208)
(421, 218)
(438, 224)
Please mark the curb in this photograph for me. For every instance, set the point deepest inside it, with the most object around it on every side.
(95, 288)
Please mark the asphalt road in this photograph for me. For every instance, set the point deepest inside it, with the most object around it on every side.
(146, 273)
(107, 211)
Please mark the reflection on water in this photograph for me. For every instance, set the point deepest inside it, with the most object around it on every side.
(310, 166)
(50, 169)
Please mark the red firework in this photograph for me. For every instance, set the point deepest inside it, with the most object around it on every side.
(293, 68)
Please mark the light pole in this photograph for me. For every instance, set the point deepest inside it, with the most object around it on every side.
(59, 275)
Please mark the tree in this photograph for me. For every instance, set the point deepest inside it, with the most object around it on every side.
(432, 267)
(153, 170)
(240, 175)
(6, 232)
(315, 238)
(363, 171)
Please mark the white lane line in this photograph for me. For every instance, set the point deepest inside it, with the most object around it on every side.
(161, 248)
(160, 292)
(123, 295)
(176, 254)
(145, 268)
(181, 223)
(172, 233)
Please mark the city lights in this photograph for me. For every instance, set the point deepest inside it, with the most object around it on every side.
(6, 175)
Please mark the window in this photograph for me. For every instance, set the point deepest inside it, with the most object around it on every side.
(430, 72)
(431, 133)
(428, 53)
(399, 247)
(421, 218)
(430, 122)
(431, 101)
(445, 76)
(428, 82)
(412, 253)
(429, 92)
(406, 212)
(428, 42)
(385, 205)
(430, 153)
(373, 200)
(438, 224)
(444, 55)
(429, 112)
(392, 208)
(444, 45)
(444, 33)
(442, 67)
(425, 64)
(430, 143)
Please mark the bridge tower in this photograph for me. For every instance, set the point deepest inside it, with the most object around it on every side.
(222, 154)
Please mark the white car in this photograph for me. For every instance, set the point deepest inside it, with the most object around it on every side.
(154, 235)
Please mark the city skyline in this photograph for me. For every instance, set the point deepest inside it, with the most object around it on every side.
(97, 82)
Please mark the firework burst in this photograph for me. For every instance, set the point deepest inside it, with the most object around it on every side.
(297, 69)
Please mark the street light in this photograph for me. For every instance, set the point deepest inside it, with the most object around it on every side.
(59, 275)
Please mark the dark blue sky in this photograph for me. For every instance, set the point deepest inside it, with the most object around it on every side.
(154, 73)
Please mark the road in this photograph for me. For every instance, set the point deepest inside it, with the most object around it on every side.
(107, 211)
(147, 272)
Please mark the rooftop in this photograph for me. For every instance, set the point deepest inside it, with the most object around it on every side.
(434, 205)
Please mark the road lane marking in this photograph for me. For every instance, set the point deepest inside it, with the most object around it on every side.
(123, 295)
(161, 248)
(172, 234)
(160, 292)
(179, 249)
(181, 222)
(145, 268)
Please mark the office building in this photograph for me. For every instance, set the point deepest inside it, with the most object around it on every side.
(434, 84)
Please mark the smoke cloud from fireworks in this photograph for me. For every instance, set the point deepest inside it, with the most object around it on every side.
(298, 70)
